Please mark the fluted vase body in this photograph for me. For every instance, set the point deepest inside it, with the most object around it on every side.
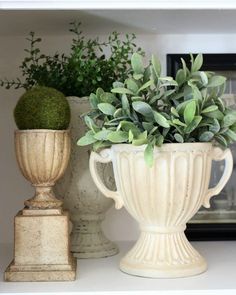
(87, 205)
(42, 156)
(163, 199)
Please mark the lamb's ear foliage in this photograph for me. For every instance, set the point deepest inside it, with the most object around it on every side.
(152, 109)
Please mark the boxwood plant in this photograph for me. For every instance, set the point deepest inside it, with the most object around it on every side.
(80, 72)
(148, 108)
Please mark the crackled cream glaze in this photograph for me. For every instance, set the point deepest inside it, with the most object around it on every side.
(87, 205)
(162, 199)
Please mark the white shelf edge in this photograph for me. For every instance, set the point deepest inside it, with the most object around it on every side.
(121, 4)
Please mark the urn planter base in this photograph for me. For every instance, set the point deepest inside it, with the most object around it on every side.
(88, 239)
(41, 250)
(163, 255)
(162, 199)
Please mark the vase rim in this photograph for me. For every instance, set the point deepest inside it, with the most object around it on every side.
(41, 131)
(188, 146)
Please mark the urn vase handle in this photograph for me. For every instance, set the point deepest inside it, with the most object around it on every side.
(103, 157)
(218, 155)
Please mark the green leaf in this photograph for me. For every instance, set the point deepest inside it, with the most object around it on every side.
(146, 85)
(148, 126)
(188, 92)
(178, 138)
(169, 83)
(117, 84)
(184, 67)
(189, 112)
(131, 136)
(142, 108)
(174, 112)
(206, 136)
(138, 76)
(90, 123)
(141, 139)
(106, 108)
(101, 145)
(193, 125)
(231, 134)
(221, 140)
(161, 120)
(229, 120)
(149, 154)
(204, 78)
(147, 74)
(102, 135)
(87, 139)
(107, 97)
(118, 113)
(125, 104)
(153, 130)
(93, 100)
(216, 81)
(220, 104)
(137, 98)
(165, 131)
(99, 92)
(122, 90)
(180, 77)
(155, 98)
(233, 127)
(178, 122)
(132, 85)
(197, 63)
(126, 126)
(118, 136)
(169, 92)
(215, 115)
(210, 109)
(156, 66)
(159, 140)
(215, 126)
(137, 63)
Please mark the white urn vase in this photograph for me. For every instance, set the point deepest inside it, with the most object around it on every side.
(41, 229)
(162, 199)
(87, 205)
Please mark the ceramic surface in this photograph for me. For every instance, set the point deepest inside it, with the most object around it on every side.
(87, 205)
(162, 199)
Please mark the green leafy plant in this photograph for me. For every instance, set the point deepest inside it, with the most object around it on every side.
(80, 72)
(147, 108)
(42, 108)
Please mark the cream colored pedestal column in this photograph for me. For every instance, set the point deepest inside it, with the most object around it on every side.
(41, 251)
(42, 247)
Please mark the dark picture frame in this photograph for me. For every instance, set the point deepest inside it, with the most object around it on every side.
(212, 62)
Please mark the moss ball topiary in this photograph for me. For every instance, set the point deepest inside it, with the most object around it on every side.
(42, 108)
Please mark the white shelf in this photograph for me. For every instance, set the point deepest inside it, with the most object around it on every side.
(102, 276)
(146, 21)
(118, 4)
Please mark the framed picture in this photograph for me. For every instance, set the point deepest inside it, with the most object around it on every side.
(218, 222)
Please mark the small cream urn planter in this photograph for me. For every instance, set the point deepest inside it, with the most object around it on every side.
(162, 199)
(86, 204)
(41, 246)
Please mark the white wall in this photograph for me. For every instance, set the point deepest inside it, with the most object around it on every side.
(13, 187)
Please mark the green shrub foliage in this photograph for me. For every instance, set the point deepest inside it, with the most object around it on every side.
(80, 72)
(147, 108)
(42, 108)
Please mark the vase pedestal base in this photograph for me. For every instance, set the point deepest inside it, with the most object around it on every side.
(163, 255)
(89, 241)
(41, 249)
(42, 273)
